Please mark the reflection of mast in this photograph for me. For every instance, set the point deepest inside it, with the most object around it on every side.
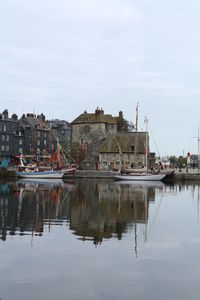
(34, 219)
(145, 216)
(135, 218)
(198, 206)
(58, 202)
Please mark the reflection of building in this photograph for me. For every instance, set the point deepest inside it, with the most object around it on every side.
(105, 210)
(94, 210)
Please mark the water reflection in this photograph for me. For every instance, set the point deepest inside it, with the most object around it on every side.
(93, 210)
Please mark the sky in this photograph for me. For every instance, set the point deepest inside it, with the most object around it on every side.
(63, 57)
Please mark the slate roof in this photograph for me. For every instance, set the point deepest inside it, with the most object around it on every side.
(126, 141)
(94, 118)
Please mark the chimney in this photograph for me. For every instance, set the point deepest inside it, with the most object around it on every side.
(120, 114)
(5, 114)
(14, 117)
(97, 111)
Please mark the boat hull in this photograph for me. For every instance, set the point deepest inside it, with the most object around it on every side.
(44, 174)
(148, 177)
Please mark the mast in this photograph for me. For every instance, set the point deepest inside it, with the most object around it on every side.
(136, 131)
(51, 147)
(146, 121)
(198, 146)
(59, 160)
(35, 142)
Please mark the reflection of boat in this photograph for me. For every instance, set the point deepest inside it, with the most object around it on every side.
(143, 183)
(40, 181)
(45, 182)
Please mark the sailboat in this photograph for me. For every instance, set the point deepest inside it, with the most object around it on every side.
(140, 174)
(35, 173)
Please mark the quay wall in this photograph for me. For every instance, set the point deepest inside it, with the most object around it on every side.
(186, 176)
(7, 174)
(93, 174)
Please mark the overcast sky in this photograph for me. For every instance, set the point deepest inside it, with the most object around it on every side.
(62, 57)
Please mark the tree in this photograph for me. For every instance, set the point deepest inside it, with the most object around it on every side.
(173, 160)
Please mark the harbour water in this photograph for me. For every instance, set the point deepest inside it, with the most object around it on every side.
(99, 239)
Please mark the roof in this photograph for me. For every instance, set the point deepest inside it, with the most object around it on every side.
(31, 121)
(126, 141)
(95, 118)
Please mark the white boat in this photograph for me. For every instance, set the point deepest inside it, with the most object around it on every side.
(141, 177)
(43, 174)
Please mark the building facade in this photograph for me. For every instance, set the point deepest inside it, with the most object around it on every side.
(31, 135)
(120, 150)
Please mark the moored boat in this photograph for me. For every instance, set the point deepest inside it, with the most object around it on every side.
(44, 174)
(141, 177)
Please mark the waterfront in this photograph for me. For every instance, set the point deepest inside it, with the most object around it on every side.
(92, 239)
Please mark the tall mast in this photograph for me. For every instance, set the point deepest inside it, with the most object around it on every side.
(51, 147)
(146, 121)
(35, 141)
(198, 146)
(59, 159)
(136, 130)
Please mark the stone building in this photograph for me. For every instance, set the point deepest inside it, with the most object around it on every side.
(90, 130)
(109, 153)
(85, 126)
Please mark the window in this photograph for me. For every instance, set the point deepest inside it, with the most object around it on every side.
(7, 138)
(45, 135)
(3, 137)
(7, 147)
(20, 150)
(20, 142)
(45, 142)
(38, 134)
(20, 134)
(4, 127)
(38, 142)
(2, 147)
(132, 148)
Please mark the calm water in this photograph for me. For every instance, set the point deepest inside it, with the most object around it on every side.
(99, 240)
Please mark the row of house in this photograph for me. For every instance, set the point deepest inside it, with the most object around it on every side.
(31, 134)
(95, 139)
